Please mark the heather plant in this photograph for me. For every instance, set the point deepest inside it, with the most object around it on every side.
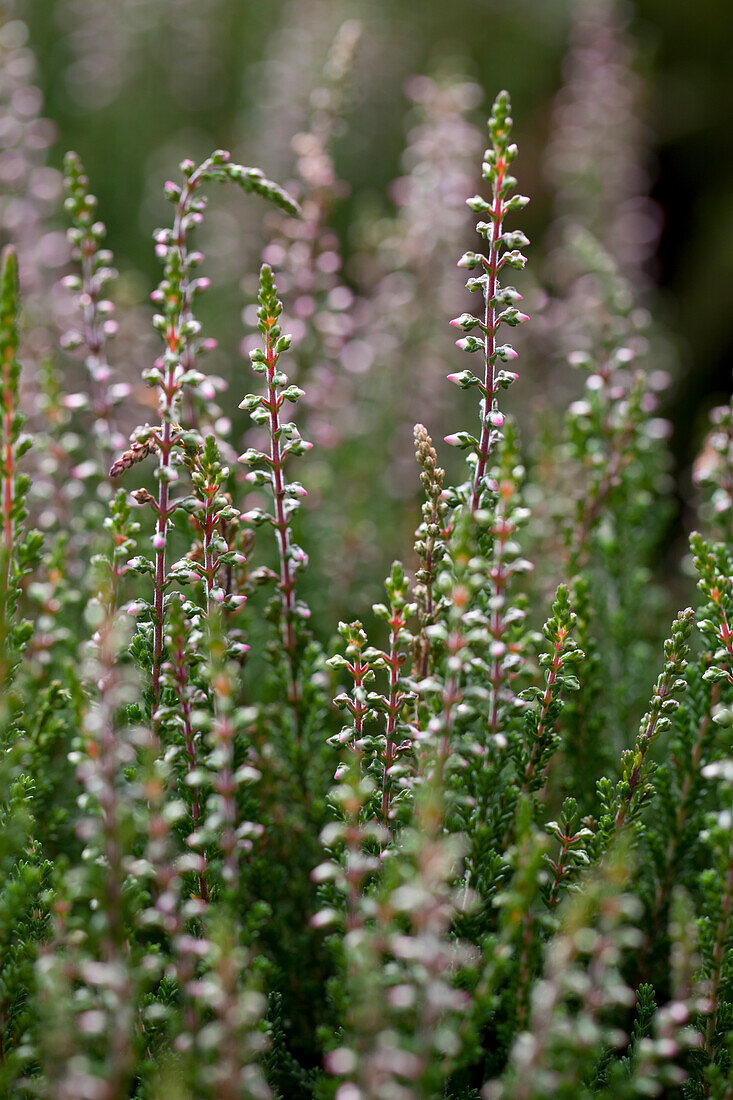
(97, 326)
(598, 155)
(603, 531)
(31, 187)
(477, 845)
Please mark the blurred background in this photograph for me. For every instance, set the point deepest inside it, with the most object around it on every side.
(373, 112)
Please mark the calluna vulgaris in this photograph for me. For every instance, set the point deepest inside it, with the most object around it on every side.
(454, 854)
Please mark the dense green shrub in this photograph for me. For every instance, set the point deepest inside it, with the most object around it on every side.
(441, 855)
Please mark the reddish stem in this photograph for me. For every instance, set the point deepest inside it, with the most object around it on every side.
(8, 460)
(394, 661)
(491, 264)
(180, 677)
(725, 635)
(94, 331)
(544, 708)
(354, 873)
(561, 870)
(500, 577)
(171, 388)
(161, 529)
(209, 527)
(681, 816)
(287, 578)
(642, 748)
(721, 939)
(423, 664)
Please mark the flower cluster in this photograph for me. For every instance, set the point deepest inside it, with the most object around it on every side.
(97, 324)
(500, 302)
(267, 468)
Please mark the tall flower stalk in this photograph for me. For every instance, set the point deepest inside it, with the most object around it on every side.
(267, 468)
(97, 324)
(175, 369)
(500, 303)
(19, 548)
(633, 788)
(429, 546)
(10, 378)
(397, 738)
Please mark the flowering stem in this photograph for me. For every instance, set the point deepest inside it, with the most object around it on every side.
(394, 661)
(500, 574)
(429, 546)
(497, 159)
(86, 235)
(181, 688)
(161, 528)
(223, 731)
(284, 440)
(179, 329)
(719, 950)
(8, 349)
(561, 869)
(360, 669)
(726, 637)
(643, 744)
(663, 703)
(176, 340)
(685, 802)
(491, 265)
(282, 527)
(8, 458)
(545, 705)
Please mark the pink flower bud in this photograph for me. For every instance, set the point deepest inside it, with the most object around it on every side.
(84, 470)
(75, 401)
(119, 391)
